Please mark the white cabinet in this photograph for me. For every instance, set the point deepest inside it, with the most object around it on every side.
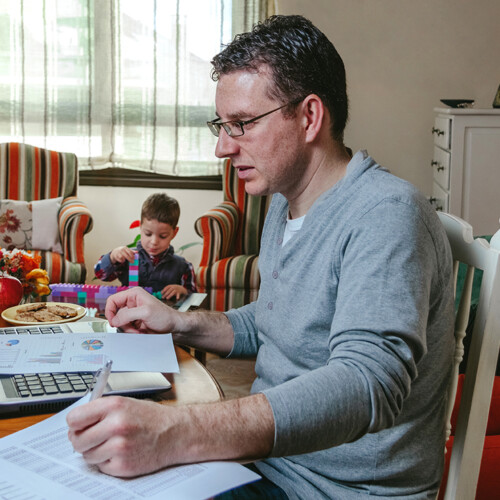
(466, 166)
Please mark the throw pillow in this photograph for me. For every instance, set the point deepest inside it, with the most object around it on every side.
(30, 225)
(16, 224)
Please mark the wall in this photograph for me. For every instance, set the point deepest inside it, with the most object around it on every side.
(401, 57)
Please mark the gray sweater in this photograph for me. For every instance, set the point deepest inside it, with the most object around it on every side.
(353, 333)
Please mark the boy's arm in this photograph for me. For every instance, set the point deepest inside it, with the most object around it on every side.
(188, 280)
(105, 270)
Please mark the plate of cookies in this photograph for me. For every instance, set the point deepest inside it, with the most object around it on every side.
(43, 313)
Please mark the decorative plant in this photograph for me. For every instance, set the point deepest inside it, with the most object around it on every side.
(25, 266)
(136, 223)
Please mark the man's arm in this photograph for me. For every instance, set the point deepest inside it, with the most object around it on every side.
(207, 331)
(113, 434)
(137, 311)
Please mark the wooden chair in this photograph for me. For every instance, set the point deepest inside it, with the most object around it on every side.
(231, 233)
(29, 173)
(469, 438)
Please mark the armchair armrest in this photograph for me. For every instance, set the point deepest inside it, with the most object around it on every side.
(218, 229)
(75, 220)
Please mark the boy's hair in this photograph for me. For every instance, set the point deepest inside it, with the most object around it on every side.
(161, 207)
(302, 61)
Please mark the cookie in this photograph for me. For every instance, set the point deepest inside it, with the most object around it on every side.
(32, 307)
(45, 315)
(63, 311)
(26, 316)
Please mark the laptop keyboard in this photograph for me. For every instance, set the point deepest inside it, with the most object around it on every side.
(39, 384)
(34, 384)
(31, 330)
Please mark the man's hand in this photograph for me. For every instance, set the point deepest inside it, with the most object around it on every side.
(136, 310)
(125, 437)
(121, 254)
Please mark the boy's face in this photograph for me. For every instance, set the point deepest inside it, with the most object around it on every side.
(156, 236)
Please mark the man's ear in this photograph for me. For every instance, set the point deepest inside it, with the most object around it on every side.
(313, 110)
(176, 230)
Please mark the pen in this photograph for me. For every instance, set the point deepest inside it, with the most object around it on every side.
(100, 380)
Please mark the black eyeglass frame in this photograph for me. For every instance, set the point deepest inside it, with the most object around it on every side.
(215, 127)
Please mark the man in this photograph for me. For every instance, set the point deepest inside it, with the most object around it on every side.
(353, 325)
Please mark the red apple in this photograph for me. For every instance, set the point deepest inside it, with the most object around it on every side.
(11, 291)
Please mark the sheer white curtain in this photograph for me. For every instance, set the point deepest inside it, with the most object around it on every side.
(122, 83)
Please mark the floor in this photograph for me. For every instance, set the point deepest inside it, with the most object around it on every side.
(235, 376)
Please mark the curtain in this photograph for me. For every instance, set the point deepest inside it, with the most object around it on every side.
(121, 83)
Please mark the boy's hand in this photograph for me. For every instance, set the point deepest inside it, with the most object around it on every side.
(173, 291)
(121, 254)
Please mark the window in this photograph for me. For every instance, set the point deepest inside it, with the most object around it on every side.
(124, 84)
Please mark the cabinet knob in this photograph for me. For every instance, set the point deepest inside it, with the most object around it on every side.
(437, 131)
(434, 201)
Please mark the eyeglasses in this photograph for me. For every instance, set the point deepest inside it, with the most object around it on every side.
(235, 128)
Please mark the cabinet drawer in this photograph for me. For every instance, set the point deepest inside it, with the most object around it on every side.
(440, 198)
(441, 167)
(442, 132)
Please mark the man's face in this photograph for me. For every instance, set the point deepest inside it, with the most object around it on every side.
(156, 236)
(269, 156)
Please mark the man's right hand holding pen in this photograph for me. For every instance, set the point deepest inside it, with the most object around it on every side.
(127, 437)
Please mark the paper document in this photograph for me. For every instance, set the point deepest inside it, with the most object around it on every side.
(192, 300)
(77, 352)
(39, 463)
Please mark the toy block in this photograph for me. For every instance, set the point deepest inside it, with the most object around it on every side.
(133, 271)
(88, 295)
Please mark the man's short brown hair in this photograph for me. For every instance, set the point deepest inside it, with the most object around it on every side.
(161, 207)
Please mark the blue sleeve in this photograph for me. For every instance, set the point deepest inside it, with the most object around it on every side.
(105, 270)
(246, 342)
(188, 280)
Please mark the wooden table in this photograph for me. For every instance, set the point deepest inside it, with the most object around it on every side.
(193, 384)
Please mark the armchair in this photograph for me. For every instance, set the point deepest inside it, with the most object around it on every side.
(31, 174)
(231, 233)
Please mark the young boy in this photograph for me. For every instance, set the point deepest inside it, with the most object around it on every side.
(159, 267)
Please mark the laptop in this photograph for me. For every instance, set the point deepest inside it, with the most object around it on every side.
(34, 393)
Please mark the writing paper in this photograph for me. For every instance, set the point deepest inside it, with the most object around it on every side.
(39, 463)
(77, 352)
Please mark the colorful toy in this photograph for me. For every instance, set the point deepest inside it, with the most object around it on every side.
(133, 271)
(88, 295)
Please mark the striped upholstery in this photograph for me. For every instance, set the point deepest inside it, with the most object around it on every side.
(231, 234)
(29, 173)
